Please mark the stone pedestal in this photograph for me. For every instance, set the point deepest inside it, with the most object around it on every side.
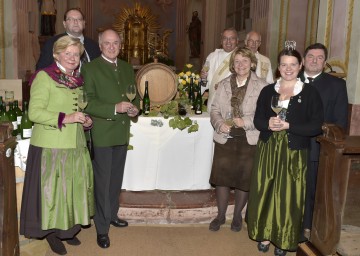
(170, 207)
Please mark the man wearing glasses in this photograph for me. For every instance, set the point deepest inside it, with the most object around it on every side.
(263, 67)
(74, 25)
(219, 63)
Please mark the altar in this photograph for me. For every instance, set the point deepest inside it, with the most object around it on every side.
(162, 158)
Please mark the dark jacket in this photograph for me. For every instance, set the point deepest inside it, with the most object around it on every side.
(334, 97)
(304, 114)
(46, 55)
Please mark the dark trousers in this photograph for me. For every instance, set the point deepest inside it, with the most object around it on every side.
(108, 165)
(311, 180)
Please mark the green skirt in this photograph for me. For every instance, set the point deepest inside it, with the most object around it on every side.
(277, 193)
(67, 186)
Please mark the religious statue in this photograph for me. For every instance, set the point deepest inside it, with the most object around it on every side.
(140, 29)
(195, 35)
(136, 38)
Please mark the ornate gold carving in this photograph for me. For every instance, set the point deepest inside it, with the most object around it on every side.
(338, 63)
(138, 28)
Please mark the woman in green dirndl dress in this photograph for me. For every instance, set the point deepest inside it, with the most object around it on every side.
(58, 194)
(278, 182)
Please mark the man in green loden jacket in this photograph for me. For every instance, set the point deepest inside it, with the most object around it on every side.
(106, 79)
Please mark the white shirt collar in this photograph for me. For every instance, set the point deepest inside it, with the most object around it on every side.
(79, 37)
(306, 76)
(62, 68)
(297, 88)
(112, 62)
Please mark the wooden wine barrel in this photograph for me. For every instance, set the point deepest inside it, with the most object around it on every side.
(162, 82)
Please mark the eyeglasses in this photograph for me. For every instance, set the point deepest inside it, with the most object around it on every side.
(250, 41)
(73, 20)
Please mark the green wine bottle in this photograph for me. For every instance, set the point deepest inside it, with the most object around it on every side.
(1, 107)
(4, 115)
(191, 94)
(146, 99)
(26, 124)
(18, 114)
(12, 117)
(198, 101)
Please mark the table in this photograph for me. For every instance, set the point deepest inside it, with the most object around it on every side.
(163, 158)
(169, 159)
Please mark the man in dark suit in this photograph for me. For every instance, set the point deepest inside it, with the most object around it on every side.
(335, 101)
(106, 79)
(74, 25)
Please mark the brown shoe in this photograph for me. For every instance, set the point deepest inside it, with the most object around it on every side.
(55, 244)
(216, 223)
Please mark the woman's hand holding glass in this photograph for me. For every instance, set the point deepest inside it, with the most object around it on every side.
(226, 126)
(82, 101)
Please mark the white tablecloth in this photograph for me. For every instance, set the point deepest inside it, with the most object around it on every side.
(168, 159)
(162, 158)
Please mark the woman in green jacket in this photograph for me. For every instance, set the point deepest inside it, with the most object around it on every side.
(58, 189)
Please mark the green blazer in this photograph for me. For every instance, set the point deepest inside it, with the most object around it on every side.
(105, 86)
(47, 100)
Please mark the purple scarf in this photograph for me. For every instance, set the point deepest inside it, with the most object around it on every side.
(72, 82)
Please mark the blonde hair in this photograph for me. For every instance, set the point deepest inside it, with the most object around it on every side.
(245, 52)
(64, 42)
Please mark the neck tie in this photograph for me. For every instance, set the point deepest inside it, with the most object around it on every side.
(311, 79)
(84, 58)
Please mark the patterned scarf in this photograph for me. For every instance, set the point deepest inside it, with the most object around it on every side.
(70, 81)
(238, 95)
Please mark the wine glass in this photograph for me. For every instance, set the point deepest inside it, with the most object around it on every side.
(205, 68)
(276, 104)
(229, 121)
(131, 92)
(82, 100)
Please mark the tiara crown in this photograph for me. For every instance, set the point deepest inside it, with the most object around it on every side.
(290, 45)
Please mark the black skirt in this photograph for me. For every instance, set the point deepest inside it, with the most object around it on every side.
(233, 162)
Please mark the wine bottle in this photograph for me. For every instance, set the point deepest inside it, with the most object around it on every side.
(12, 118)
(18, 113)
(4, 115)
(1, 103)
(146, 99)
(198, 102)
(26, 124)
(191, 95)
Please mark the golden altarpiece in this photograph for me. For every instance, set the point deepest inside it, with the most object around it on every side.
(139, 29)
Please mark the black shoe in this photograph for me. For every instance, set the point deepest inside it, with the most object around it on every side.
(236, 225)
(263, 247)
(56, 245)
(103, 241)
(216, 223)
(73, 241)
(279, 252)
(119, 223)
